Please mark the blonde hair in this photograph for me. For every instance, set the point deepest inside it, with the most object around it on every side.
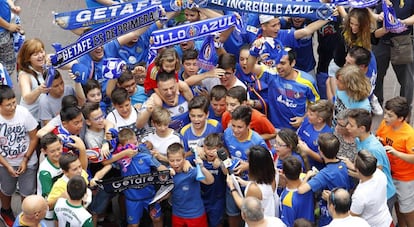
(365, 21)
(160, 115)
(324, 108)
(356, 84)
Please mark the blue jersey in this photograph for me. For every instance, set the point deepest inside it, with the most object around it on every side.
(140, 164)
(179, 114)
(138, 52)
(375, 147)
(236, 148)
(191, 140)
(186, 197)
(110, 51)
(295, 206)
(216, 191)
(309, 135)
(286, 36)
(333, 175)
(288, 98)
(211, 114)
(257, 89)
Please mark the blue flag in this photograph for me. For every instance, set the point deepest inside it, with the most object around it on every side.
(391, 22)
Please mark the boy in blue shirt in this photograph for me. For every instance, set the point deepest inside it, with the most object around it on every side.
(334, 174)
(238, 139)
(187, 205)
(194, 133)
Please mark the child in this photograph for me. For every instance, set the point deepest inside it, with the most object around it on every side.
(93, 93)
(95, 131)
(218, 102)
(187, 205)
(135, 91)
(124, 115)
(238, 139)
(214, 195)
(334, 174)
(138, 199)
(50, 105)
(317, 121)
(397, 137)
(237, 96)
(370, 206)
(69, 131)
(70, 212)
(161, 136)
(49, 169)
(71, 166)
(293, 204)
(17, 161)
(200, 126)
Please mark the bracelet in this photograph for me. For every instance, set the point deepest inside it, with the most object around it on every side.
(233, 190)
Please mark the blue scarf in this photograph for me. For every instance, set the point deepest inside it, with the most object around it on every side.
(392, 24)
(96, 38)
(310, 10)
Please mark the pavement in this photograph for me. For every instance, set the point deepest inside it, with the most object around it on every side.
(37, 21)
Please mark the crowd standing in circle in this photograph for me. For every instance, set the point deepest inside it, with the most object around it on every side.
(298, 138)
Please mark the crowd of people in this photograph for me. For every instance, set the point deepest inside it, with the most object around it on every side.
(270, 136)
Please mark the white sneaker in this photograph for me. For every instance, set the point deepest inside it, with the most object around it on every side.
(375, 106)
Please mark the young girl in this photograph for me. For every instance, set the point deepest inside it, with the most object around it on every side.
(166, 61)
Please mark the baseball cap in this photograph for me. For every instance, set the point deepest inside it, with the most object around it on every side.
(263, 18)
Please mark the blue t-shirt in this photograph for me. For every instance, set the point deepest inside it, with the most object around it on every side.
(344, 102)
(333, 175)
(192, 141)
(236, 148)
(140, 164)
(186, 197)
(309, 135)
(374, 146)
(295, 206)
(139, 96)
(211, 114)
(215, 192)
(288, 98)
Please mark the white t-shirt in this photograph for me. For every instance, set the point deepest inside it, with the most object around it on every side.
(370, 200)
(348, 221)
(14, 137)
(161, 143)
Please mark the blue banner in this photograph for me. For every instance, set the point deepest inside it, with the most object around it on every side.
(311, 10)
(351, 3)
(190, 31)
(101, 15)
(391, 22)
(91, 40)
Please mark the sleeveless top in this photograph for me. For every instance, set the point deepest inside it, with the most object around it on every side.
(270, 199)
(34, 83)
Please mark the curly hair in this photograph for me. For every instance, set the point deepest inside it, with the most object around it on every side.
(365, 21)
(357, 85)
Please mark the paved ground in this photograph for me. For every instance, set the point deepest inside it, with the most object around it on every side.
(37, 22)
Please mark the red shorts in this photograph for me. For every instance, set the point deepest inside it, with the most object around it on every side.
(190, 222)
